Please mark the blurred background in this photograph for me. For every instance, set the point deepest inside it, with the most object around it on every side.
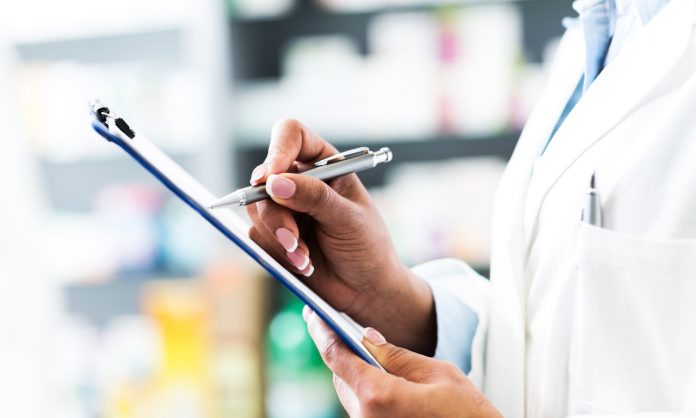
(116, 300)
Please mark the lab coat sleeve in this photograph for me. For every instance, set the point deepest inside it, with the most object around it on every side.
(461, 307)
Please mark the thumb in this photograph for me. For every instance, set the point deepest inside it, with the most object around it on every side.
(396, 360)
(306, 194)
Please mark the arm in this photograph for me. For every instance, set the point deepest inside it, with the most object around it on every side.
(414, 385)
(333, 234)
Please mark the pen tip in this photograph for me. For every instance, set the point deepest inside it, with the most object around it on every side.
(592, 180)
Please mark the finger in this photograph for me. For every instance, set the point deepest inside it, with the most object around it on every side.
(296, 262)
(312, 196)
(263, 238)
(258, 175)
(354, 371)
(347, 397)
(400, 361)
(291, 141)
(261, 234)
(307, 271)
(253, 213)
(281, 224)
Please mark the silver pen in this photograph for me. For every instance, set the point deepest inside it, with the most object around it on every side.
(347, 162)
(592, 212)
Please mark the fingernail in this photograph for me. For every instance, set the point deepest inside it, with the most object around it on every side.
(309, 271)
(258, 174)
(374, 336)
(299, 259)
(286, 239)
(281, 187)
(306, 312)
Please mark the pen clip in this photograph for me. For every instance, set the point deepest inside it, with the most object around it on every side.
(345, 155)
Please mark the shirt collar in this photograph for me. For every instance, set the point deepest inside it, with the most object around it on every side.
(647, 9)
(608, 11)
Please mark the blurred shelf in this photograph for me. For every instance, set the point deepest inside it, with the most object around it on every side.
(163, 46)
(73, 185)
(484, 271)
(99, 303)
(310, 9)
(249, 154)
(541, 22)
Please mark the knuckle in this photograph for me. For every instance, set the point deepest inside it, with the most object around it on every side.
(286, 123)
(320, 193)
(399, 363)
(394, 356)
(377, 400)
(330, 351)
(365, 388)
(260, 239)
(271, 213)
(349, 186)
(254, 234)
(450, 369)
(265, 210)
(284, 131)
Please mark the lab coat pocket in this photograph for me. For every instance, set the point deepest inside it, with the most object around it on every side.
(633, 341)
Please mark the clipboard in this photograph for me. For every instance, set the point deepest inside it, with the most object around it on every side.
(182, 184)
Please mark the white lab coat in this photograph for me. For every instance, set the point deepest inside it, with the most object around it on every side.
(579, 320)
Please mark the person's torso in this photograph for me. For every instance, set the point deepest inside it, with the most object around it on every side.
(586, 319)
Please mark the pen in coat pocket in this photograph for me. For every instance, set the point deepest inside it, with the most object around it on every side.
(592, 212)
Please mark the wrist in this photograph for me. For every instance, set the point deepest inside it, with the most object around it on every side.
(422, 326)
(402, 309)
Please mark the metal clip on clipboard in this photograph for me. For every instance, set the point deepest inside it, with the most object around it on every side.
(103, 115)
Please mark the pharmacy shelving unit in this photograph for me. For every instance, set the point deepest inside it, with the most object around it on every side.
(162, 48)
(162, 44)
(258, 43)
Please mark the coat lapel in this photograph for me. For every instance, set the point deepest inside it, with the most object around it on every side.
(505, 377)
(632, 79)
(565, 71)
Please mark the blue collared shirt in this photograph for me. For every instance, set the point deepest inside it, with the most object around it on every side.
(608, 25)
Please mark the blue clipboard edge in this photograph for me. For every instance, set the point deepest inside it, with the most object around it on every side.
(104, 132)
